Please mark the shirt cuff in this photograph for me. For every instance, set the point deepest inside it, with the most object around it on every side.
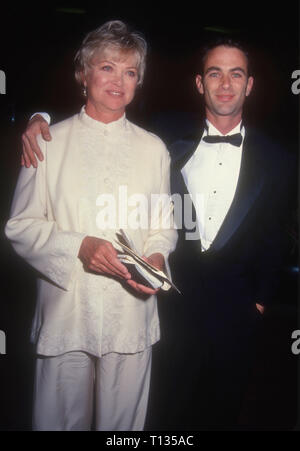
(46, 116)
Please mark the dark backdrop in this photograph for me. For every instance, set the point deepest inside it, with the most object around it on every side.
(36, 53)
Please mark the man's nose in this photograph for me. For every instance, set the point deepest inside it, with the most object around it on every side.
(226, 81)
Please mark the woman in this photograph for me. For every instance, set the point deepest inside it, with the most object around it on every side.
(93, 326)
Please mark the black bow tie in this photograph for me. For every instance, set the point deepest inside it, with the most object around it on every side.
(235, 140)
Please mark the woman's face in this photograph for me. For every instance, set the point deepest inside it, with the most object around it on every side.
(111, 82)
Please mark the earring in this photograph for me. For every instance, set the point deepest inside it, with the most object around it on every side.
(84, 91)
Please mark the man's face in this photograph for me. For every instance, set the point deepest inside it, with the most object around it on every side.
(225, 82)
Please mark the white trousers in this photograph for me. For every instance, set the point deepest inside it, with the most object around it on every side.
(74, 389)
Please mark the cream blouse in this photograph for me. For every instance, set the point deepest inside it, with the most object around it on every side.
(56, 205)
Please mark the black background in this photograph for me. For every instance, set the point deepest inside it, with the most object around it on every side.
(37, 47)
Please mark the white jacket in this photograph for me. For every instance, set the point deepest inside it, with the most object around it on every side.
(55, 207)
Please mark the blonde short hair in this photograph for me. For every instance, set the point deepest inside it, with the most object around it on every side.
(114, 34)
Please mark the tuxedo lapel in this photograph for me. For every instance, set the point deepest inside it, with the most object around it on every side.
(250, 183)
(182, 152)
(251, 180)
(183, 149)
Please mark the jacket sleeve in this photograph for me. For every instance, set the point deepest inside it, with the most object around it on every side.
(162, 235)
(36, 238)
(273, 252)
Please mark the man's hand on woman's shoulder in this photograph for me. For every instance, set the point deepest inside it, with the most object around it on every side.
(37, 125)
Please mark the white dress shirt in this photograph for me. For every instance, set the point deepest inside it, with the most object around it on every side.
(211, 176)
(55, 207)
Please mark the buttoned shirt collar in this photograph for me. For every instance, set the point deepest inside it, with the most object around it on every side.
(212, 174)
(115, 126)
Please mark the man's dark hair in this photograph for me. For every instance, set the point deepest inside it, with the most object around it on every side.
(225, 41)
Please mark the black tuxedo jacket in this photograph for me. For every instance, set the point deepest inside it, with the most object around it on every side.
(242, 266)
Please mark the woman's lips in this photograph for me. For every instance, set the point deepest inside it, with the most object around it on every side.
(115, 93)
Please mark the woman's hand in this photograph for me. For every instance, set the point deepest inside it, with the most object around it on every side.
(35, 126)
(157, 260)
(100, 256)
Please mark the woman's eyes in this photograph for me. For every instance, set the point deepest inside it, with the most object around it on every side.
(108, 68)
(132, 73)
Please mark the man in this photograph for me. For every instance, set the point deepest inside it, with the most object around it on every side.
(228, 265)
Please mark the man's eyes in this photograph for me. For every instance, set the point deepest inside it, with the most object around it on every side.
(218, 74)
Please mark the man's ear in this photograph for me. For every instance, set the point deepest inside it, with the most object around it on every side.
(199, 84)
(249, 86)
